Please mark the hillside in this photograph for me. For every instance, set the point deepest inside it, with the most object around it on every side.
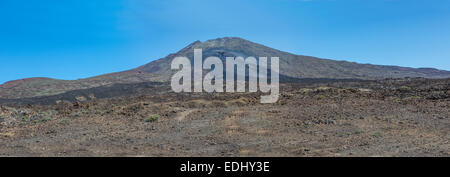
(291, 66)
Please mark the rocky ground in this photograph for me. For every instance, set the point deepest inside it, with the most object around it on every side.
(403, 117)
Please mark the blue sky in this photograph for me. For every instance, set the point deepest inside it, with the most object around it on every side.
(71, 39)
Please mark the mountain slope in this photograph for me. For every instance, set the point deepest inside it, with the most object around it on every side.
(291, 66)
(296, 66)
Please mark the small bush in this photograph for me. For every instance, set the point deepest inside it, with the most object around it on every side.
(377, 134)
(319, 97)
(25, 119)
(413, 98)
(152, 118)
(64, 121)
(359, 132)
(405, 88)
(304, 90)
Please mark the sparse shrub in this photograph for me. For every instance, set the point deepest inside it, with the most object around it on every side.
(64, 121)
(304, 90)
(377, 134)
(25, 119)
(413, 98)
(84, 111)
(359, 132)
(152, 118)
(319, 97)
(405, 88)
(81, 98)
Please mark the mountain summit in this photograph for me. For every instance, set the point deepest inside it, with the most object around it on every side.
(296, 66)
(291, 66)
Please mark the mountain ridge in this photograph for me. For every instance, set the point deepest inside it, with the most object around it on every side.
(291, 66)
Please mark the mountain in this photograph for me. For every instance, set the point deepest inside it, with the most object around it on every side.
(291, 66)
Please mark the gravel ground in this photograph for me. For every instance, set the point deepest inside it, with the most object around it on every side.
(403, 117)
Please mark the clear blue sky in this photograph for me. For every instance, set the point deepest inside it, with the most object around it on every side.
(71, 39)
